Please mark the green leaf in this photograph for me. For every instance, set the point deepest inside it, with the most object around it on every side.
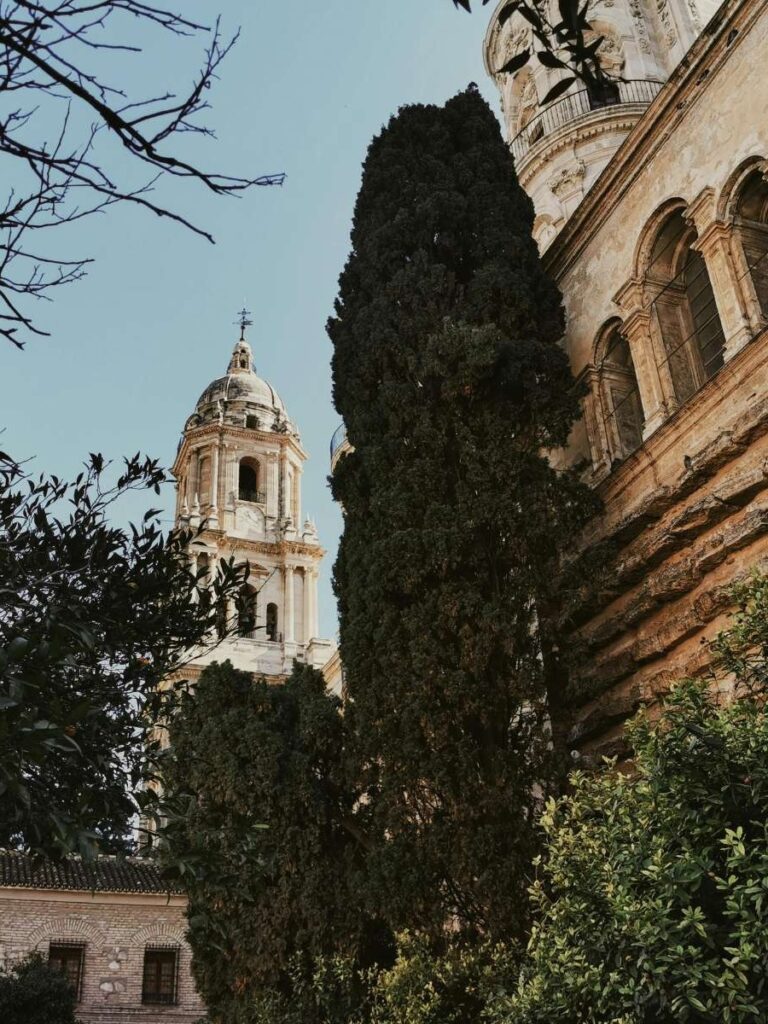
(518, 61)
(557, 90)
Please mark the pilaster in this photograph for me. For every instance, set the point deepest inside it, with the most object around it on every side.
(714, 244)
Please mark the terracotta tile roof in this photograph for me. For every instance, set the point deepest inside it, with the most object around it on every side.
(106, 874)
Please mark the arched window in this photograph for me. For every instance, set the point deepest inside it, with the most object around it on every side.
(684, 307)
(246, 611)
(620, 395)
(248, 481)
(203, 570)
(751, 219)
(272, 622)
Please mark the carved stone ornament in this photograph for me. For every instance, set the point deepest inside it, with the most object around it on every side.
(568, 179)
(610, 52)
(643, 41)
(528, 104)
(516, 40)
(667, 23)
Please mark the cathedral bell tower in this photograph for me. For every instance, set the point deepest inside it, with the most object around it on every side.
(561, 147)
(238, 471)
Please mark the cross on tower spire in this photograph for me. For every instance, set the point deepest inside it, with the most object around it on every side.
(243, 321)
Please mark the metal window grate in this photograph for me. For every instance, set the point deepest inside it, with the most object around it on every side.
(69, 958)
(160, 977)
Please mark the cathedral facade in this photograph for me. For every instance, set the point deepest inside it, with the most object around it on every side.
(652, 217)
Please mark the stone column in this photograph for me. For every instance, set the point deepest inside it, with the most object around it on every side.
(314, 576)
(654, 380)
(213, 518)
(192, 495)
(307, 605)
(713, 242)
(289, 626)
(594, 421)
(286, 511)
(272, 485)
(194, 462)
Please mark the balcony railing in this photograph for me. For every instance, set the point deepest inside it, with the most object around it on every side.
(256, 497)
(338, 439)
(575, 105)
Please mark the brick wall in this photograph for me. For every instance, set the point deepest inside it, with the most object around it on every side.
(115, 929)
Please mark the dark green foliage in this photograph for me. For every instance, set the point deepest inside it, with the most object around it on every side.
(451, 382)
(31, 992)
(561, 43)
(264, 838)
(92, 618)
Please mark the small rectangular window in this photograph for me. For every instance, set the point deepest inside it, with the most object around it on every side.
(69, 958)
(160, 971)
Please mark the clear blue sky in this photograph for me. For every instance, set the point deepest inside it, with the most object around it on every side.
(135, 343)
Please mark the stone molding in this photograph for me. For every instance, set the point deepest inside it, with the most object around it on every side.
(67, 929)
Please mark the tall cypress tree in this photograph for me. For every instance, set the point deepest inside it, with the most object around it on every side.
(452, 386)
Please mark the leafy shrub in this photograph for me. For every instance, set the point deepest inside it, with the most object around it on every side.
(31, 992)
(653, 898)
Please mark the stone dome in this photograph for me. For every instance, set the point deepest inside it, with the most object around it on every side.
(242, 393)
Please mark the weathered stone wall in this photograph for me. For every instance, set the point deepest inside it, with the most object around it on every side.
(115, 929)
(687, 512)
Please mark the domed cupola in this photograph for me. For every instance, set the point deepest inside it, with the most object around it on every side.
(242, 398)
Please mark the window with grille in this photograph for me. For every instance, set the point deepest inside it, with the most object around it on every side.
(160, 975)
(69, 958)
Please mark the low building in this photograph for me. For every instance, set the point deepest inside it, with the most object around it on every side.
(112, 925)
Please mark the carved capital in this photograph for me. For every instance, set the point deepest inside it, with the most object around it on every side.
(630, 296)
(568, 179)
(701, 212)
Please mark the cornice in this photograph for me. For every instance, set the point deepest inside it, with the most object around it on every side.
(223, 541)
(622, 117)
(685, 87)
(227, 432)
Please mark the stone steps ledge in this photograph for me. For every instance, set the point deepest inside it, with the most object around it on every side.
(672, 533)
(671, 582)
(616, 665)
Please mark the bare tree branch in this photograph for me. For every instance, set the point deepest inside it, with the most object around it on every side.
(45, 52)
